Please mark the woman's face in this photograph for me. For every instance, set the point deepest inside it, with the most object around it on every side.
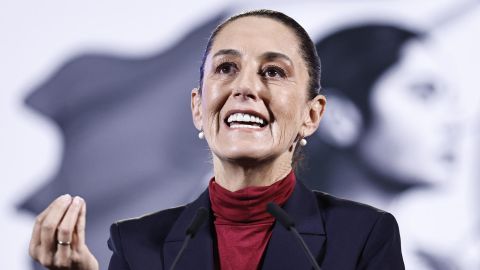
(413, 133)
(254, 103)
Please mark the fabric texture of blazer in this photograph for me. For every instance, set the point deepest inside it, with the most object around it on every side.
(341, 235)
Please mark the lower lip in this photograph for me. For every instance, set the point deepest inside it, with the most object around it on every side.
(245, 127)
(448, 158)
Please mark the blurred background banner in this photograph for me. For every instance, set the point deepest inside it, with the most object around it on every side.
(96, 102)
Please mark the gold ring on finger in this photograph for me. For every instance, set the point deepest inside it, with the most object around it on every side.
(62, 243)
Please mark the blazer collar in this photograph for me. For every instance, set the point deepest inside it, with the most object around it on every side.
(283, 251)
(199, 253)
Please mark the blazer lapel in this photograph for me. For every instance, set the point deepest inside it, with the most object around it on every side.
(199, 252)
(283, 250)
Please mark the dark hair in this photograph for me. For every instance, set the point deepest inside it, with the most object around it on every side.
(354, 58)
(307, 47)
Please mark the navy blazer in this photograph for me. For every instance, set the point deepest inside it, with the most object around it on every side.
(341, 234)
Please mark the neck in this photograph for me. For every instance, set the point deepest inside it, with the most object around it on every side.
(234, 175)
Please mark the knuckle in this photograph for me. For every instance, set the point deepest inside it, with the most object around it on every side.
(76, 257)
(64, 232)
(62, 263)
(38, 220)
(45, 260)
(79, 253)
(48, 227)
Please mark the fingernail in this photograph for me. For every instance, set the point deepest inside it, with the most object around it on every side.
(76, 200)
(65, 198)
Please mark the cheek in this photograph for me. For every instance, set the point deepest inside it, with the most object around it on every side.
(405, 120)
(212, 102)
(288, 114)
(403, 140)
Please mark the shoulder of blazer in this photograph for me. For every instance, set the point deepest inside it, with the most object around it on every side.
(353, 215)
(330, 204)
(368, 235)
(351, 220)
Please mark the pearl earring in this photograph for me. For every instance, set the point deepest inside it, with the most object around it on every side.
(201, 135)
(303, 142)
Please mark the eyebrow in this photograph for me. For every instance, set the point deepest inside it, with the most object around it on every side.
(270, 56)
(231, 52)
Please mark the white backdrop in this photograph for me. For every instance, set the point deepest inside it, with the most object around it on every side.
(37, 36)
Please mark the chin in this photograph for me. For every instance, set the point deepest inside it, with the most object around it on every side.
(437, 171)
(245, 154)
(430, 177)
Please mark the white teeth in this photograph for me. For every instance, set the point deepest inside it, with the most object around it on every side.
(243, 126)
(258, 120)
(241, 117)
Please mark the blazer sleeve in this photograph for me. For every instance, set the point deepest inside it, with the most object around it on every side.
(117, 261)
(383, 248)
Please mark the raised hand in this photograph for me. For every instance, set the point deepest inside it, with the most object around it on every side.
(58, 237)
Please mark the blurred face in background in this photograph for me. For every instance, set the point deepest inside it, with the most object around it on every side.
(413, 133)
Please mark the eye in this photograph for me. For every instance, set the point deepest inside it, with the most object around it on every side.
(273, 72)
(226, 68)
(424, 90)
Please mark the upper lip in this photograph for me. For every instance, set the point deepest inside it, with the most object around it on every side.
(251, 112)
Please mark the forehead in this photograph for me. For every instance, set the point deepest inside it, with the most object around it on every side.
(420, 56)
(256, 35)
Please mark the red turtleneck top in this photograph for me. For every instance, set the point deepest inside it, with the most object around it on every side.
(242, 225)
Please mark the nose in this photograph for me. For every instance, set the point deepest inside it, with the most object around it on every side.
(248, 85)
(453, 129)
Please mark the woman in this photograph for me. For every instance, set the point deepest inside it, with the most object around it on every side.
(388, 132)
(380, 85)
(257, 103)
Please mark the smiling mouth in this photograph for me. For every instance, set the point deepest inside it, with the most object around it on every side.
(245, 120)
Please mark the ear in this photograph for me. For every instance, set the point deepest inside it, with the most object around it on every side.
(342, 124)
(313, 115)
(196, 106)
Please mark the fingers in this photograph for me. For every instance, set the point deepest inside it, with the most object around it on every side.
(35, 239)
(63, 221)
(67, 225)
(36, 249)
(65, 233)
(80, 228)
(50, 223)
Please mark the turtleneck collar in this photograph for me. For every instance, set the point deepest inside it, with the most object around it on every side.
(248, 205)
